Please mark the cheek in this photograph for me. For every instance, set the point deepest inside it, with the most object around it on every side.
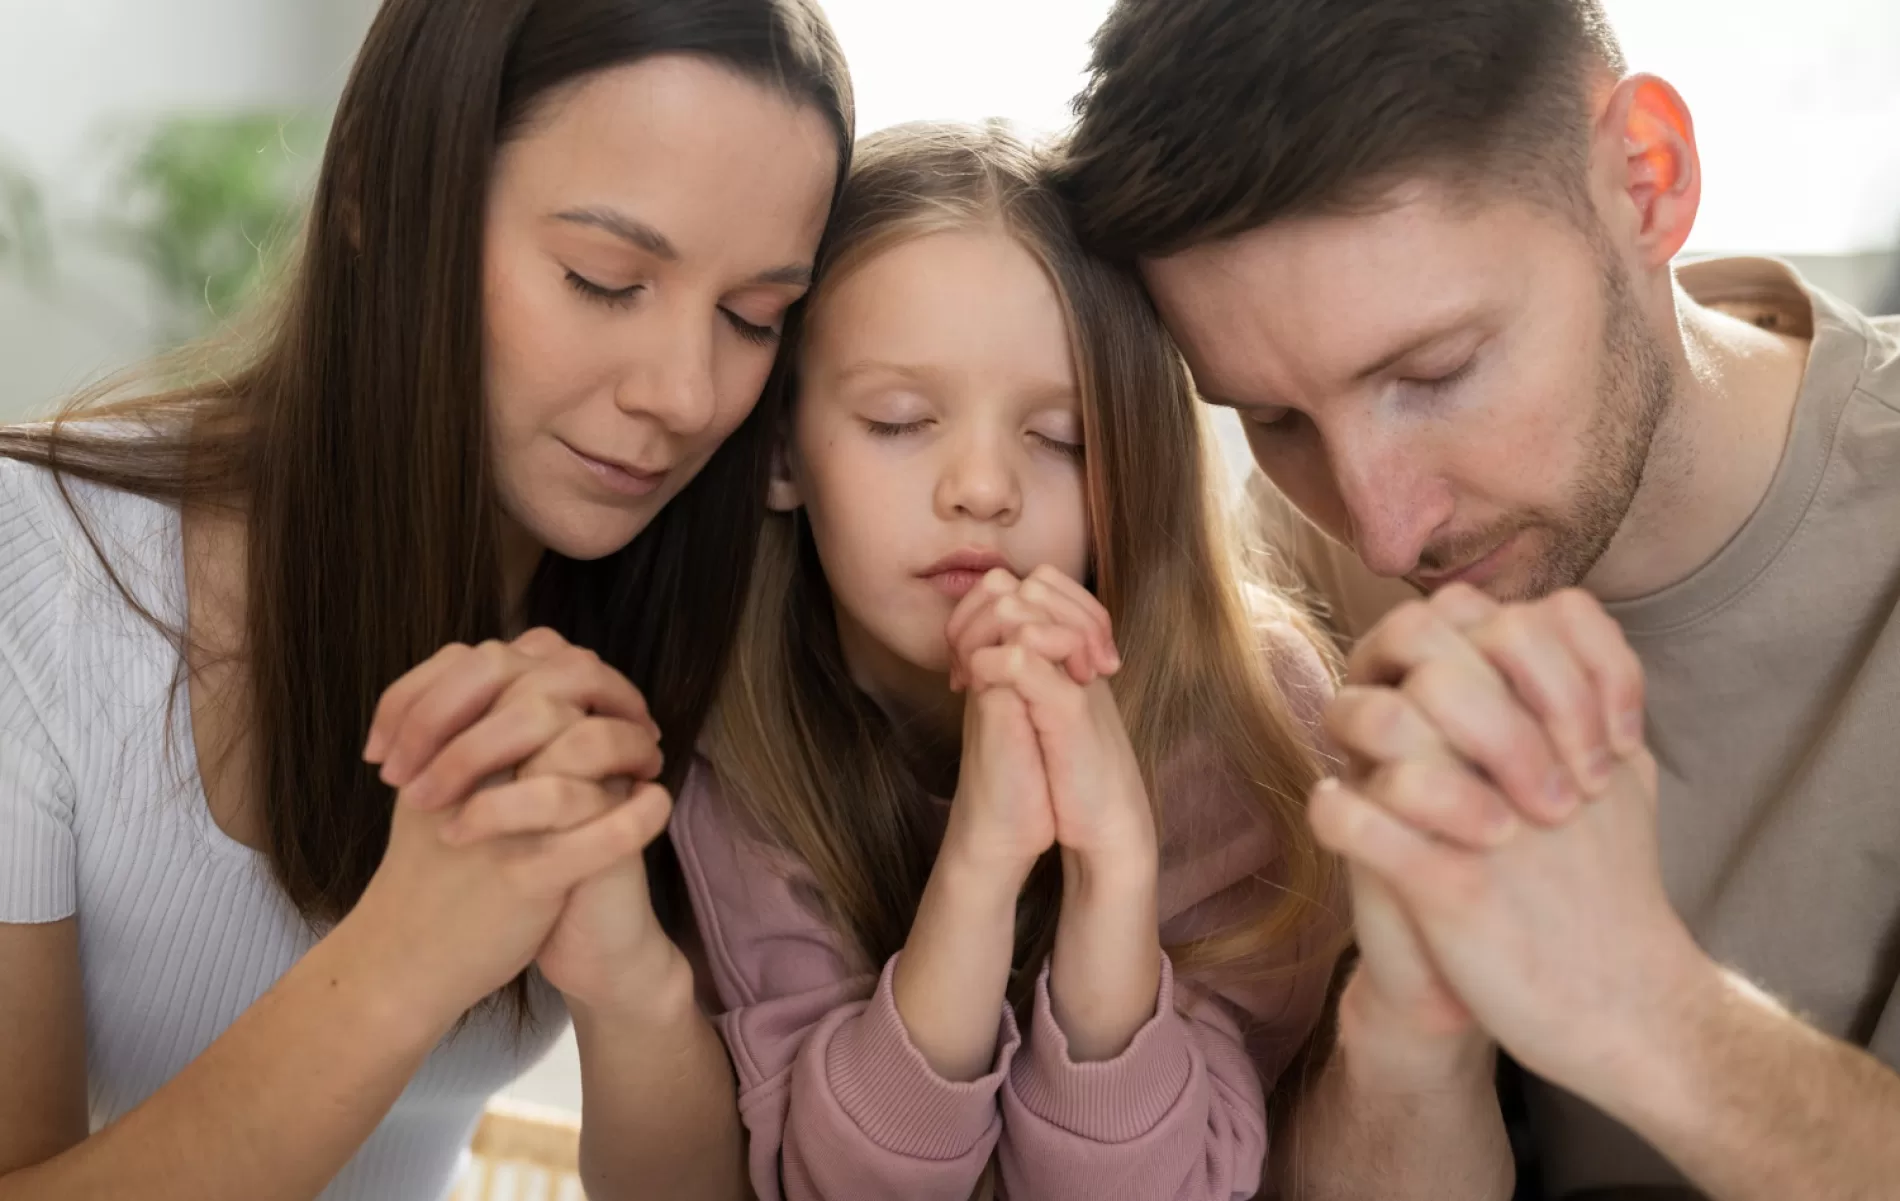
(532, 360)
(858, 506)
(1530, 443)
(1062, 527)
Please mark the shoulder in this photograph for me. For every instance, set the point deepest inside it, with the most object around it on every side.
(756, 905)
(1300, 667)
(35, 590)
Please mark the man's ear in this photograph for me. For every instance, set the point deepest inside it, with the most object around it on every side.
(781, 494)
(1647, 168)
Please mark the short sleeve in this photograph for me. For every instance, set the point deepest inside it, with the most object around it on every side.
(37, 845)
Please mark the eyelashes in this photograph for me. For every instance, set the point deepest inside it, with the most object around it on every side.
(1284, 419)
(1073, 450)
(612, 297)
(893, 429)
(1452, 377)
(620, 298)
(897, 429)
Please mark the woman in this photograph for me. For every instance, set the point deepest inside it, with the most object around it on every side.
(513, 383)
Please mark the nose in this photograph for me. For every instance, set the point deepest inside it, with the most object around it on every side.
(1390, 499)
(978, 481)
(671, 378)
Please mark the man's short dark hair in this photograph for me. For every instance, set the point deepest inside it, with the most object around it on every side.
(1203, 119)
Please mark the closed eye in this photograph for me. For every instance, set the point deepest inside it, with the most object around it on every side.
(1073, 450)
(764, 335)
(593, 291)
(1450, 378)
(894, 429)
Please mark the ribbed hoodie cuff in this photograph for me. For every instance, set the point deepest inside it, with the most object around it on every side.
(884, 1083)
(1114, 1101)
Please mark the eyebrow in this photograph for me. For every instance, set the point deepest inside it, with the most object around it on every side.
(639, 233)
(1041, 395)
(903, 371)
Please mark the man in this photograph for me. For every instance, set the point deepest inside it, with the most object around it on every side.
(1425, 250)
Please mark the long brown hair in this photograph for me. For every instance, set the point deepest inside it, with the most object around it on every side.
(350, 435)
(817, 765)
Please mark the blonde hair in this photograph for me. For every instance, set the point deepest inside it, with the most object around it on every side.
(817, 766)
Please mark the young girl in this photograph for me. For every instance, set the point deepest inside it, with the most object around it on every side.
(1086, 961)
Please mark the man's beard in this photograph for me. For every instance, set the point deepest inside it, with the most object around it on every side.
(1634, 391)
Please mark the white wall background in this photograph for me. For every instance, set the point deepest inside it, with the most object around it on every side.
(1798, 111)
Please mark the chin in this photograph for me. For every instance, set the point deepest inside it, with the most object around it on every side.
(586, 540)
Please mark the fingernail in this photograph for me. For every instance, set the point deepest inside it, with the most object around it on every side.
(1597, 770)
(1632, 727)
(1558, 792)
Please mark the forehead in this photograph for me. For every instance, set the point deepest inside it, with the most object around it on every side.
(965, 299)
(1327, 294)
(689, 143)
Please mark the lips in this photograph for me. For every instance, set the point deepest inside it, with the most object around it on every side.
(955, 574)
(619, 477)
(1475, 573)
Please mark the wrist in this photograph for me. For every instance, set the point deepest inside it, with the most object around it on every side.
(972, 868)
(1122, 874)
(1105, 967)
(1383, 1052)
(658, 989)
(1651, 1072)
(391, 988)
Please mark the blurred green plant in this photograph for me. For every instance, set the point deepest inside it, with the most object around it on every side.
(209, 205)
(25, 246)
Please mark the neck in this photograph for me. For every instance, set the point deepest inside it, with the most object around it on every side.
(1714, 454)
(520, 557)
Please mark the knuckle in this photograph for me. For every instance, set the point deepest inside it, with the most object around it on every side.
(1514, 627)
(576, 658)
(575, 796)
(453, 764)
(478, 815)
(544, 712)
(1382, 714)
(1522, 745)
(1412, 622)
(1453, 597)
(1413, 786)
(1432, 681)
(1575, 605)
(598, 738)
